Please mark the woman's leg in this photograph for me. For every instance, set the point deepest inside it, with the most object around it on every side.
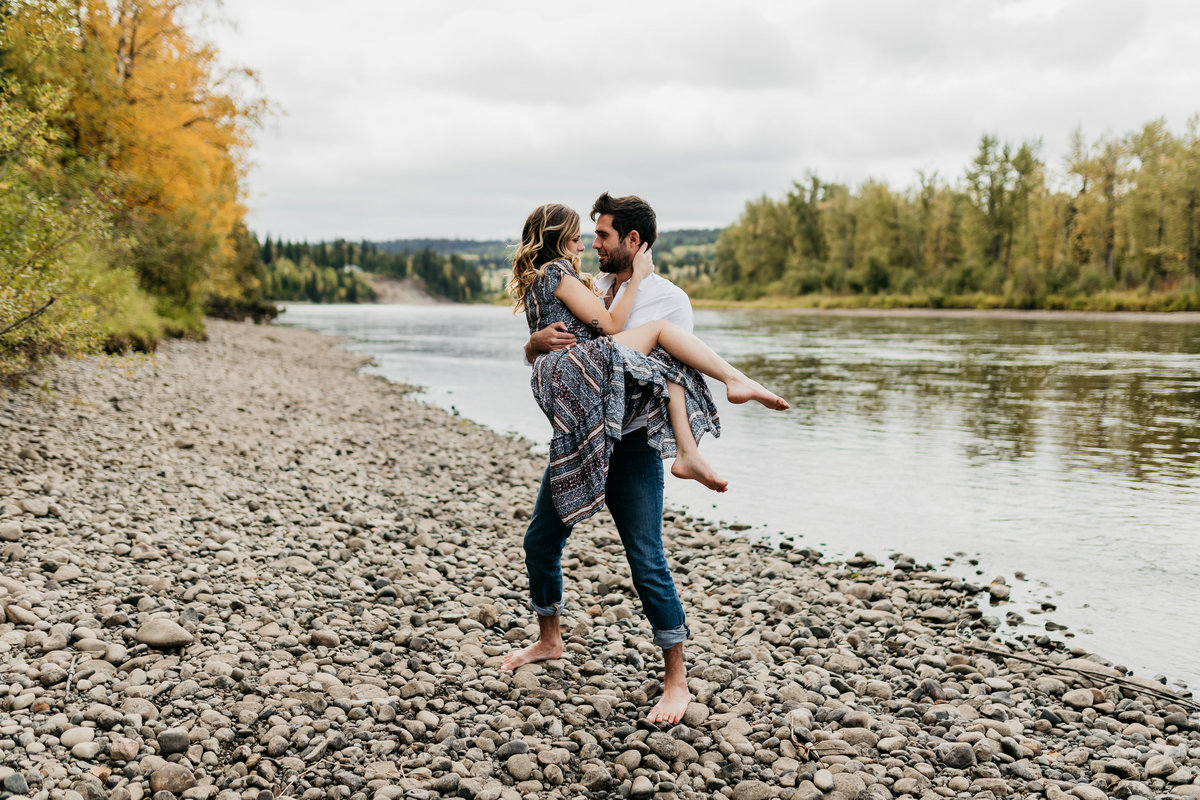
(690, 350)
(689, 464)
(545, 538)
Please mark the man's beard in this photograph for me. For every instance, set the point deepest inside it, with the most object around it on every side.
(617, 261)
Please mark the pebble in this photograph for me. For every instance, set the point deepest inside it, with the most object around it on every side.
(520, 766)
(173, 740)
(311, 598)
(122, 749)
(174, 778)
(73, 736)
(164, 633)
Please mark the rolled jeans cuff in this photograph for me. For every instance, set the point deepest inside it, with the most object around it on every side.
(665, 640)
(547, 611)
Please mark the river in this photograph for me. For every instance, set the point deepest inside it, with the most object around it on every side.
(1062, 454)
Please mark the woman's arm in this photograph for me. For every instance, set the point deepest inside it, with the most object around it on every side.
(590, 309)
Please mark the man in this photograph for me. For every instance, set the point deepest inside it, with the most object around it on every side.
(634, 490)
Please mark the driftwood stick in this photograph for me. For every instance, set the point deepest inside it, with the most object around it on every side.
(1161, 694)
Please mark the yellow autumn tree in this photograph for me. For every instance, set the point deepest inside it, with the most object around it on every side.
(122, 147)
(152, 106)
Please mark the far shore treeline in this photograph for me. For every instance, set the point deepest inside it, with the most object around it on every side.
(1116, 227)
(336, 272)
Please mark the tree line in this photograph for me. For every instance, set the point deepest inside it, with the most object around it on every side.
(122, 161)
(336, 271)
(1116, 227)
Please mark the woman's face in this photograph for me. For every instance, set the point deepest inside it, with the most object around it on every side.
(575, 244)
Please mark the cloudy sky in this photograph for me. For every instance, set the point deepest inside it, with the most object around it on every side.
(400, 119)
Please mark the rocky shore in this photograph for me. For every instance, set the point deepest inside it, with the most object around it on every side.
(242, 570)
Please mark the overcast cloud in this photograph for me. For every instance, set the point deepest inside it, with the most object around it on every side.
(455, 119)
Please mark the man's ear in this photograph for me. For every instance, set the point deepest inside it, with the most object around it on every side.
(635, 239)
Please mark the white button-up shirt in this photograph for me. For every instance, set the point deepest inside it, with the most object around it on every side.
(657, 298)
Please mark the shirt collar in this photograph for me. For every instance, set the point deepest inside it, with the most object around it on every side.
(605, 279)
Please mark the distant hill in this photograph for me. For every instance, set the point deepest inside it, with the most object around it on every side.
(443, 247)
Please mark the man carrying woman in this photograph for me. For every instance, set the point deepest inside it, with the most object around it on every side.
(614, 457)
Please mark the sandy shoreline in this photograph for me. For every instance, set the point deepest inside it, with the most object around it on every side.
(243, 570)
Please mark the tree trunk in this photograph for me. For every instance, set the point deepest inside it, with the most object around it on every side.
(1191, 233)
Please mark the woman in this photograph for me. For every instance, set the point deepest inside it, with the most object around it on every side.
(590, 390)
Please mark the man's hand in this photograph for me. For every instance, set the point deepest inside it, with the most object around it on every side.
(548, 339)
(643, 262)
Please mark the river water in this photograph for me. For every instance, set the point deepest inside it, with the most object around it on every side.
(1062, 454)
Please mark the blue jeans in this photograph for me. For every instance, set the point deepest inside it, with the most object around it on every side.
(634, 496)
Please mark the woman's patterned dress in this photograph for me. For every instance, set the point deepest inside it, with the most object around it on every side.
(591, 390)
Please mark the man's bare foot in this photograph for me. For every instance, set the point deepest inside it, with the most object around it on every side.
(538, 651)
(693, 467)
(743, 390)
(671, 706)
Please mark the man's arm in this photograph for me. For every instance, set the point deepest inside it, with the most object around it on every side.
(553, 337)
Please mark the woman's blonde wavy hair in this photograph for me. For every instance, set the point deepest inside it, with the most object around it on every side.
(546, 237)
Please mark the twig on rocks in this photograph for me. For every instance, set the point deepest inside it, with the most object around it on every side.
(283, 793)
(1161, 694)
(71, 674)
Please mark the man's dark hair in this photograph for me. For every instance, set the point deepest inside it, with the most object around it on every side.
(630, 213)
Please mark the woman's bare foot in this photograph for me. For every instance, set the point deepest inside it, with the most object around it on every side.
(693, 467)
(538, 651)
(743, 390)
(671, 706)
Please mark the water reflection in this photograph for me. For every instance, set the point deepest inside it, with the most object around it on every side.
(1119, 397)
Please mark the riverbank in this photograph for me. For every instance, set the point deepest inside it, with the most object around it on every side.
(242, 567)
(803, 306)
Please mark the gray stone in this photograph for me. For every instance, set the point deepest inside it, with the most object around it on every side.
(174, 778)
(696, 715)
(67, 572)
(90, 789)
(1121, 767)
(642, 787)
(324, 638)
(122, 749)
(160, 632)
(20, 616)
(1160, 766)
(1079, 698)
(520, 766)
(511, 748)
(86, 750)
(16, 784)
(11, 531)
(35, 506)
(957, 755)
(52, 675)
(173, 740)
(73, 736)
(595, 778)
(663, 746)
(752, 790)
